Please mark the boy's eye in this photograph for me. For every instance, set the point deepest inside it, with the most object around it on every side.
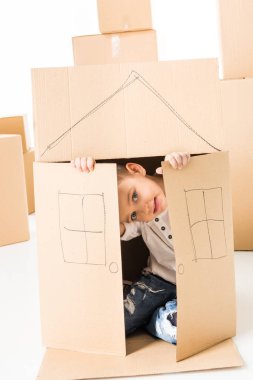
(135, 196)
(133, 216)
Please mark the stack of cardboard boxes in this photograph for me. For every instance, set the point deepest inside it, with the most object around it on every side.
(17, 190)
(127, 35)
(142, 110)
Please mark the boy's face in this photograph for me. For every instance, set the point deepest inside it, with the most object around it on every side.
(141, 197)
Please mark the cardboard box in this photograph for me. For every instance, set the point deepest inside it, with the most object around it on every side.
(16, 125)
(115, 48)
(124, 15)
(13, 203)
(236, 96)
(176, 105)
(69, 210)
(236, 38)
(28, 164)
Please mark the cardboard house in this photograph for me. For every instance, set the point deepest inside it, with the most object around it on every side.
(81, 273)
(137, 111)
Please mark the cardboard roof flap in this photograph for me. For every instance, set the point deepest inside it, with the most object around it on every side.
(121, 107)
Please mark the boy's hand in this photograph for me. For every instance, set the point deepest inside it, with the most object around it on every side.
(177, 160)
(85, 164)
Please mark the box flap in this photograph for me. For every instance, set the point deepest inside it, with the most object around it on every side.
(127, 110)
(146, 356)
(199, 199)
(79, 252)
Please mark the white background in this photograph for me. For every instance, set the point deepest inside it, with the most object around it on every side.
(36, 33)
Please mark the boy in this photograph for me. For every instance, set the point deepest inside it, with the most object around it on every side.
(151, 301)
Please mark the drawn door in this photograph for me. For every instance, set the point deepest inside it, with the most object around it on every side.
(79, 258)
(200, 210)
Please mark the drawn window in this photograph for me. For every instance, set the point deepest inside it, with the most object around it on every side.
(82, 228)
(206, 220)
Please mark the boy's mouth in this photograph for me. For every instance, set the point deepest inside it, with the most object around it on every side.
(156, 205)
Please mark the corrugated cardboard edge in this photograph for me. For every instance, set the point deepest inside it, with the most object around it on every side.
(28, 165)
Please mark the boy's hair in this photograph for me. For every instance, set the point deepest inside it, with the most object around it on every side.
(122, 173)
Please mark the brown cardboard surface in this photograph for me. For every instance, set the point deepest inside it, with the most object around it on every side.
(78, 245)
(236, 35)
(146, 356)
(124, 15)
(28, 164)
(147, 109)
(79, 258)
(13, 203)
(81, 276)
(15, 125)
(199, 203)
(218, 111)
(115, 48)
(236, 96)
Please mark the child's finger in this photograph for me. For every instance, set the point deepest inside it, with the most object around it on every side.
(90, 163)
(186, 158)
(179, 159)
(172, 160)
(77, 162)
(83, 164)
(159, 170)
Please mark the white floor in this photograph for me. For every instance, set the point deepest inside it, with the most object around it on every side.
(21, 350)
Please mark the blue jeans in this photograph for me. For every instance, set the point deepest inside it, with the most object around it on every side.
(163, 323)
(143, 298)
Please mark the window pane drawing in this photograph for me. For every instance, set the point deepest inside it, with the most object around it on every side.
(82, 228)
(206, 221)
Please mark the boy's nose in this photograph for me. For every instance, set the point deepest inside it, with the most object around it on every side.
(148, 208)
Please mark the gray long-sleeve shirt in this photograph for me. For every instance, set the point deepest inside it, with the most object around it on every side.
(158, 237)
